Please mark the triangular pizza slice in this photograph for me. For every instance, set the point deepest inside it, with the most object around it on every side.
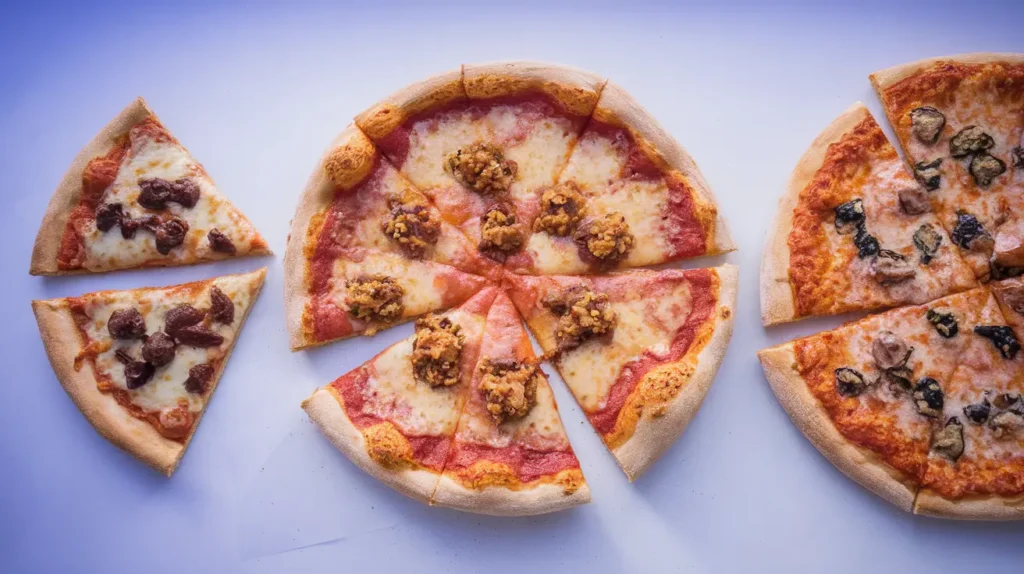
(142, 364)
(510, 455)
(135, 197)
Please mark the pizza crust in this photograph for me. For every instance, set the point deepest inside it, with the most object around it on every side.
(390, 113)
(62, 342)
(930, 503)
(653, 436)
(324, 409)
(616, 107)
(884, 79)
(857, 463)
(778, 304)
(349, 159)
(69, 191)
(576, 90)
(498, 501)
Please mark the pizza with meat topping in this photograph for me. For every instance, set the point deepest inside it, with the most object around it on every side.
(135, 197)
(142, 364)
(638, 349)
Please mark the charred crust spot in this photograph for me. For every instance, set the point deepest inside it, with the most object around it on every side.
(500, 232)
(126, 324)
(437, 351)
(482, 168)
(411, 226)
(561, 208)
(604, 240)
(509, 388)
(582, 315)
(376, 298)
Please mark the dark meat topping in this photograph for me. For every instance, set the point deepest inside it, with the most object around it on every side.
(137, 373)
(561, 208)
(219, 242)
(126, 324)
(108, 215)
(929, 174)
(222, 309)
(198, 336)
(500, 232)
(1002, 337)
(158, 350)
(180, 317)
(375, 298)
(927, 239)
(583, 315)
(198, 378)
(509, 388)
(157, 193)
(482, 168)
(926, 123)
(412, 226)
(604, 240)
(437, 351)
(170, 234)
(969, 140)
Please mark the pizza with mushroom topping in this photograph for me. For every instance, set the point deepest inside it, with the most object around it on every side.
(855, 231)
(135, 197)
(142, 364)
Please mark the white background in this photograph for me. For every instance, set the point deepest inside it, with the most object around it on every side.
(256, 92)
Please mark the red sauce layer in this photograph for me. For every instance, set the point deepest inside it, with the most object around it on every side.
(529, 464)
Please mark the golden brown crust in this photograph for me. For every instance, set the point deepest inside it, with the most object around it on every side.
(617, 108)
(885, 79)
(562, 491)
(575, 90)
(391, 112)
(63, 342)
(860, 464)
(69, 191)
(930, 503)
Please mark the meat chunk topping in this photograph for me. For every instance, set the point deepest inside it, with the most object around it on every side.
(375, 298)
(509, 388)
(604, 240)
(500, 232)
(482, 168)
(583, 315)
(561, 208)
(412, 226)
(436, 351)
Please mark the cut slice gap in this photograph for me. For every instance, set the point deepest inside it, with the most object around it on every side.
(154, 419)
(641, 372)
(135, 161)
(524, 464)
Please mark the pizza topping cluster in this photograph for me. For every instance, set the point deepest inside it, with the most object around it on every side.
(500, 232)
(561, 208)
(1002, 337)
(604, 240)
(850, 217)
(928, 397)
(377, 298)
(412, 226)
(927, 239)
(582, 315)
(849, 382)
(929, 173)
(914, 200)
(481, 167)
(126, 324)
(1008, 417)
(436, 351)
(926, 124)
(158, 350)
(972, 142)
(136, 373)
(978, 413)
(156, 193)
(944, 322)
(198, 378)
(509, 388)
(890, 267)
(891, 355)
(169, 231)
(969, 234)
(949, 441)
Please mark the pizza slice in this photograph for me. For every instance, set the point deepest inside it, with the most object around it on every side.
(960, 121)
(510, 454)
(367, 250)
(142, 364)
(394, 416)
(638, 350)
(135, 197)
(855, 231)
(483, 143)
(976, 462)
(629, 196)
(869, 394)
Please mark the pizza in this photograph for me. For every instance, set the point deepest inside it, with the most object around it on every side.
(135, 197)
(855, 231)
(960, 121)
(142, 364)
(637, 349)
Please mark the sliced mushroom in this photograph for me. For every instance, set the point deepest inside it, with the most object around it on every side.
(849, 382)
(944, 322)
(891, 267)
(927, 239)
(928, 397)
(978, 412)
(949, 442)
(889, 351)
(985, 167)
(926, 123)
(1006, 424)
(849, 216)
(1002, 337)
(929, 173)
(914, 199)
(1005, 401)
(899, 379)
(969, 140)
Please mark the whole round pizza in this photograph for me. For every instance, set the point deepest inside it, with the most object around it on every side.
(921, 403)
(476, 200)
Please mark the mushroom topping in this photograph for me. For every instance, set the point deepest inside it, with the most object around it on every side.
(412, 226)
(482, 168)
(929, 174)
(1013, 296)
(914, 200)
(1006, 424)
(891, 267)
(849, 382)
(944, 322)
(500, 233)
(1002, 337)
(375, 298)
(561, 208)
(126, 324)
(949, 442)
(1005, 401)
(437, 351)
(604, 240)
(509, 388)
(927, 240)
(928, 397)
(970, 234)
(1018, 157)
(978, 412)
(984, 168)
(926, 124)
(850, 217)
(582, 313)
(866, 243)
(969, 140)
(899, 379)
(890, 351)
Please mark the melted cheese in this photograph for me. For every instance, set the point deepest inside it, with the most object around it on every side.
(540, 429)
(418, 278)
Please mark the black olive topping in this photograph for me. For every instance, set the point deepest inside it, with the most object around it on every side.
(1018, 157)
(866, 243)
(1002, 337)
(944, 323)
(928, 397)
(978, 412)
(849, 216)
(849, 382)
(927, 240)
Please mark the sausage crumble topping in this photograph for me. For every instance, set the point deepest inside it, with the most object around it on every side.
(561, 208)
(436, 351)
(509, 387)
(375, 298)
(482, 168)
(604, 240)
(582, 313)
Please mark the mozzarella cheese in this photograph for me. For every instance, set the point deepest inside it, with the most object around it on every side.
(419, 279)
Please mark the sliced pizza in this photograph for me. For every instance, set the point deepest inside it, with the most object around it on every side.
(960, 121)
(135, 197)
(976, 462)
(367, 250)
(629, 196)
(395, 415)
(142, 364)
(638, 350)
(485, 142)
(510, 454)
(855, 231)
(869, 394)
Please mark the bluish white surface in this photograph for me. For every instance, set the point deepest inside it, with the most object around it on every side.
(256, 92)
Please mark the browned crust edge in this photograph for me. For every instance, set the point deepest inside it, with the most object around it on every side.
(575, 90)
(930, 503)
(388, 114)
(497, 501)
(884, 79)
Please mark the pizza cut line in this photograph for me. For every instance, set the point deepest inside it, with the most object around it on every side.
(467, 201)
